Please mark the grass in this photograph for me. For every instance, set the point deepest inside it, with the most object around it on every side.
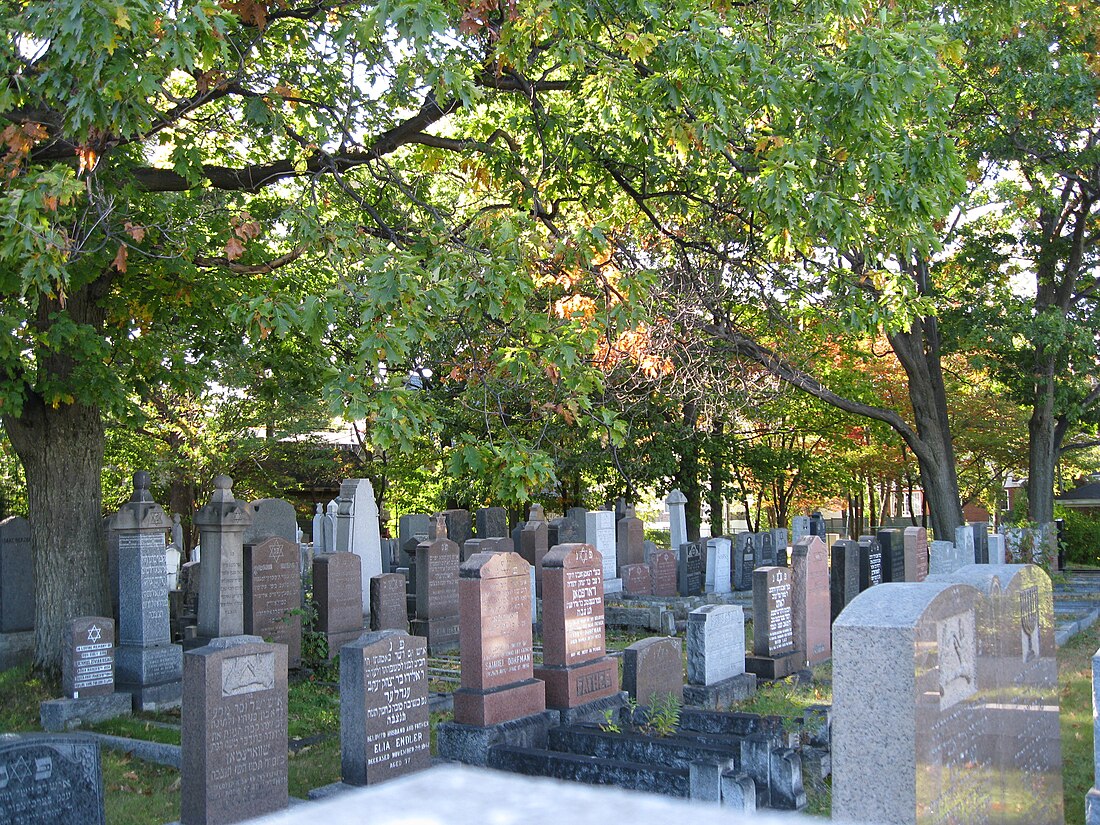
(1075, 695)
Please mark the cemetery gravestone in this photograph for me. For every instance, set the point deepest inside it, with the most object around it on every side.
(50, 780)
(843, 575)
(631, 539)
(221, 525)
(437, 600)
(273, 595)
(567, 530)
(974, 734)
(579, 517)
(575, 668)
(663, 567)
(811, 600)
(964, 544)
(677, 519)
(16, 576)
(691, 569)
(271, 517)
(148, 665)
(653, 669)
(637, 579)
(774, 653)
(996, 549)
(870, 562)
(387, 603)
(817, 524)
(893, 555)
(411, 531)
(916, 554)
(329, 526)
(800, 528)
(336, 582)
(492, 522)
(459, 528)
(234, 743)
(534, 541)
(363, 534)
(943, 557)
(600, 530)
(384, 728)
(718, 565)
(319, 531)
(780, 543)
(981, 541)
(716, 657)
(768, 555)
(498, 682)
(88, 657)
(744, 559)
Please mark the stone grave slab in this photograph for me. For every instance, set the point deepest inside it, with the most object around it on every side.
(221, 524)
(16, 576)
(50, 779)
(273, 594)
(388, 609)
(677, 521)
(843, 575)
(915, 540)
(336, 583)
(893, 555)
(637, 579)
(718, 565)
(630, 547)
(492, 522)
(773, 646)
(744, 561)
(691, 569)
(870, 562)
(662, 565)
(437, 599)
(811, 600)
(600, 530)
(653, 669)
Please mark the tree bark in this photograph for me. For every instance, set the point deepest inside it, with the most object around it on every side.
(717, 495)
(687, 475)
(1042, 449)
(61, 450)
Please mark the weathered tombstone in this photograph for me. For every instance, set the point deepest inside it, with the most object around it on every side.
(637, 579)
(575, 666)
(16, 576)
(384, 730)
(437, 601)
(271, 517)
(172, 558)
(336, 582)
(50, 780)
(870, 562)
(653, 670)
(780, 541)
(964, 544)
(718, 565)
(630, 546)
(744, 560)
(774, 653)
(916, 554)
(498, 682)
(677, 519)
(148, 665)
(600, 530)
(716, 657)
(234, 751)
(567, 530)
(221, 525)
(974, 733)
(981, 541)
(329, 526)
(817, 524)
(662, 565)
(358, 532)
(843, 575)
(411, 531)
(800, 528)
(177, 532)
(273, 594)
(893, 555)
(459, 527)
(319, 531)
(810, 600)
(492, 522)
(534, 541)
(996, 548)
(691, 569)
(943, 557)
(388, 610)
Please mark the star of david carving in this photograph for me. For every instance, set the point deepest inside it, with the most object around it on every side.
(94, 633)
(21, 769)
(277, 551)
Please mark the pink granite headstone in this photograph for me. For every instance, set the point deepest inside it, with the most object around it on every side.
(810, 608)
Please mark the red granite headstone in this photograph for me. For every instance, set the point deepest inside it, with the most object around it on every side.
(630, 542)
(494, 600)
(662, 565)
(574, 668)
(811, 600)
(915, 540)
(338, 597)
(637, 579)
(273, 594)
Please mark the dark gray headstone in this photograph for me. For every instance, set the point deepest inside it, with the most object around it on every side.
(579, 517)
(384, 731)
(16, 576)
(893, 555)
(388, 603)
(88, 658)
(653, 669)
(772, 612)
(492, 522)
(337, 586)
(234, 723)
(843, 575)
(271, 517)
(50, 780)
(411, 530)
(744, 561)
(691, 569)
(870, 562)
(981, 541)
(817, 524)
(459, 526)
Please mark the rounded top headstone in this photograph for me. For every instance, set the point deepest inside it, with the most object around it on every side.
(141, 487)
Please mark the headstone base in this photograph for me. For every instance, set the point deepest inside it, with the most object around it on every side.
(152, 698)
(331, 790)
(151, 675)
(58, 715)
(765, 667)
(1092, 807)
(595, 711)
(442, 634)
(16, 648)
(490, 707)
(470, 743)
(570, 687)
(721, 695)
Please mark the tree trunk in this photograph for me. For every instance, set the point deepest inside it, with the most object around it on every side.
(687, 475)
(717, 494)
(61, 450)
(1042, 449)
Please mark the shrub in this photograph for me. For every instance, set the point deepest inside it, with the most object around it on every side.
(1081, 537)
